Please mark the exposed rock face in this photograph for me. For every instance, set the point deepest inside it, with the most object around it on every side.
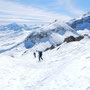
(69, 39)
(79, 38)
(72, 38)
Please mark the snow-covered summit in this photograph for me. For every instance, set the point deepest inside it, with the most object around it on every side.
(11, 26)
(80, 23)
(51, 34)
(14, 26)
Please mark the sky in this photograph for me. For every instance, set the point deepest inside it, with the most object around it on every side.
(36, 11)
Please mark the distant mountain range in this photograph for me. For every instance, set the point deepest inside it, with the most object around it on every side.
(80, 23)
(17, 27)
(51, 34)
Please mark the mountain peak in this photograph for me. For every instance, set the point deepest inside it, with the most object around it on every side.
(86, 14)
(49, 35)
(14, 26)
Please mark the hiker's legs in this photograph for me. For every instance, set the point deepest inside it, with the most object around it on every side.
(39, 58)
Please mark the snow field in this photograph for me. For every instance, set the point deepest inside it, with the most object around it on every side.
(66, 67)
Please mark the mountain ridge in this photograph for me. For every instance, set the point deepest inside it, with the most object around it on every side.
(52, 34)
(80, 23)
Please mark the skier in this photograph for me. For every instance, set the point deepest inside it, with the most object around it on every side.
(40, 55)
(34, 54)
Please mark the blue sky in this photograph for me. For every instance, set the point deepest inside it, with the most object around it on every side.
(26, 11)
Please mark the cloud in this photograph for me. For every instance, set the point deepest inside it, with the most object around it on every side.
(70, 7)
(16, 12)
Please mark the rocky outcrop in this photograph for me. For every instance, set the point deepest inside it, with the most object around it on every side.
(69, 39)
(72, 38)
(79, 38)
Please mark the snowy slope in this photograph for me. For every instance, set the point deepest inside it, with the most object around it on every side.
(13, 35)
(11, 39)
(81, 23)
(49, 35)
(83, 32)
(66, 67)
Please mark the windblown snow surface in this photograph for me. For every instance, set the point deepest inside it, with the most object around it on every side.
(67, 67)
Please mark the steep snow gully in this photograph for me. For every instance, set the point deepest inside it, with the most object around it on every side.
(66, 67)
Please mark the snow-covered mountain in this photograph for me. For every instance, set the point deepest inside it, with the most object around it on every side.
(52, 34)
(18, 27)
(66, 67)
(81, 23)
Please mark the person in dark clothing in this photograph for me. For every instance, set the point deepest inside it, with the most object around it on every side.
(40, 55)
(34, 54)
